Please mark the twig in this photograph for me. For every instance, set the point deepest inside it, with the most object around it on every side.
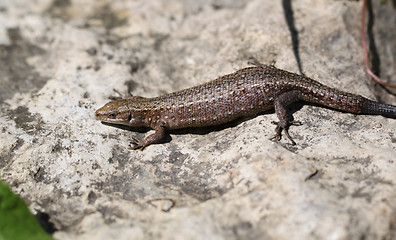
(366, 56)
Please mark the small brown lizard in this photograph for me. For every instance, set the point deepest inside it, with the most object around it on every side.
(244, 93)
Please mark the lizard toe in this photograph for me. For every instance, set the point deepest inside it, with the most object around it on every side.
(284, 126)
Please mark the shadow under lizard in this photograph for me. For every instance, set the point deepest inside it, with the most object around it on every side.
(244, 93)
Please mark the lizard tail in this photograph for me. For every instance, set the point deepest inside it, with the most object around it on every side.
(375, 108)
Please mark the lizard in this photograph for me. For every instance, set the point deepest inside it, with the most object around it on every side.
(244, 93)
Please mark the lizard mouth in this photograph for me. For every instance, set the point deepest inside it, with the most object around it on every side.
(112, 122)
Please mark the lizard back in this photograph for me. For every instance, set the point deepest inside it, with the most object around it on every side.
(246, 92)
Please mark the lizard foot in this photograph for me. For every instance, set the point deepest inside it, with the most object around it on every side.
(281, 125)
(137, 144)
(157, 137)
(255, 62)
(121, 96)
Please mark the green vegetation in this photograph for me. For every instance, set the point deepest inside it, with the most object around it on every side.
(16, 221)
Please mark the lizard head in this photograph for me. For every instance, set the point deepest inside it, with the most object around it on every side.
(116, 112)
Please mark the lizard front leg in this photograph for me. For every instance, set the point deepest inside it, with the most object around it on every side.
(156, 137)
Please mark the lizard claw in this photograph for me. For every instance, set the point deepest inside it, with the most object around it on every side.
(290, 123)
(136, 144)
(120, 96)
(157, 137)
(285, 127)
(255, 62)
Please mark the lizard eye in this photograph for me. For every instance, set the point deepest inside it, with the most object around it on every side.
(112, 115)
(129, 117)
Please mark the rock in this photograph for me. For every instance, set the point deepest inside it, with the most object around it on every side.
(61, 60)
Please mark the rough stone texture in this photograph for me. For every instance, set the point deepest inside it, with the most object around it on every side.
(61, 59)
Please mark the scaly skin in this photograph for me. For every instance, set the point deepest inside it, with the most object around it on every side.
(245, 93)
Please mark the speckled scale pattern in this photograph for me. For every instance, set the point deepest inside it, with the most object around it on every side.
(246, 92)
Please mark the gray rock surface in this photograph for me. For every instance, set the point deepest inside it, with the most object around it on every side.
(61, 59)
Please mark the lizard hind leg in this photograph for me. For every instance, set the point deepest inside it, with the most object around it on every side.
(285, 118)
